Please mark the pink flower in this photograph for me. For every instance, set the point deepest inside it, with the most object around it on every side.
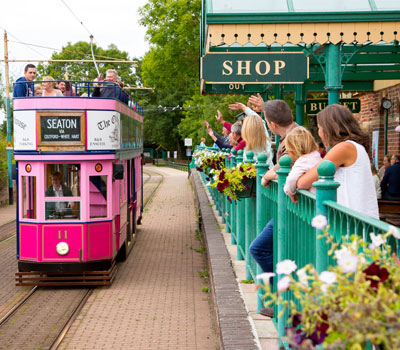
(319, 222)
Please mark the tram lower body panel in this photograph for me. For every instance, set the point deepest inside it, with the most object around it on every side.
(53, 249)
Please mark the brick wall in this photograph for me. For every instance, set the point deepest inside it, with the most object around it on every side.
(372, 117)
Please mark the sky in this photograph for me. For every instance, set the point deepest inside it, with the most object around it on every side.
(50, 23)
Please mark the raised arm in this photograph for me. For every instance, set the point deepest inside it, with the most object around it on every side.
(342, 154)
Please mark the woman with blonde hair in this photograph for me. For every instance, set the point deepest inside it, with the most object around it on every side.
(254, 133)
(48, 85)
(349, 144)
(303, 150)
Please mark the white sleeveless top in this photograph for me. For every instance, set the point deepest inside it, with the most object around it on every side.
(357, 190)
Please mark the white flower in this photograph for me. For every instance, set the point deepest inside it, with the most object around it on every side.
(372, 246)
(376, 240)
(319, 222)
(303, 277)
(283, 283)
(266, 276)
(340, 252)
(324, 288)
(327, 277)
(348, 262)
(394, 231)
(285, 267)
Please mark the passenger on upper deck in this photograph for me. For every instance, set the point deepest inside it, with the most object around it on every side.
(24, 86)
(110, 90)
(66, 88)
(49, 87)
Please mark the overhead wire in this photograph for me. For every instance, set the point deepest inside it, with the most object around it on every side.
(71, 51)
(90, 34)
(20, 41)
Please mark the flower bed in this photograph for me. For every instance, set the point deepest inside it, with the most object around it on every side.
(237, 182)
(352, 304)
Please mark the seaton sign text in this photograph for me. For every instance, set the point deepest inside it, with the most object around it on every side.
(255, 68)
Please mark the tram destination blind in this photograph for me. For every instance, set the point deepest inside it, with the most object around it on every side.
(60, 129)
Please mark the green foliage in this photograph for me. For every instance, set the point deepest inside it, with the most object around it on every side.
(87, 70)
(3, 162)
(205, 110)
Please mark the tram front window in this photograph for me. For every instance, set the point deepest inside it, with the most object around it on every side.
(62, 180)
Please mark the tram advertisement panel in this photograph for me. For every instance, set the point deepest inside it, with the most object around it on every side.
(24, 130)
(103, 130)
(61, 130)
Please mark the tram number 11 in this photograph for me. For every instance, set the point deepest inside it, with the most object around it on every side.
(65, 234)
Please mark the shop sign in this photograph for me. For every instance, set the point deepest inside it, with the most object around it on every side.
(316, 106)
(255, 68)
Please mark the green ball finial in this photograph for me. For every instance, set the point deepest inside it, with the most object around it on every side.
(250, 155)
(285, 161)
(234, 152)
(326, 168)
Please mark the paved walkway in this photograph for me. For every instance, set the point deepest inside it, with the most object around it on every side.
(156, 301)
(7, 213)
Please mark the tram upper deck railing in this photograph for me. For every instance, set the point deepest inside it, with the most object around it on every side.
(86, 89)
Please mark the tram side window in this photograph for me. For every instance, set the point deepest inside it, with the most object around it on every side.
(29, 197)
(62, 180)
(98, 196)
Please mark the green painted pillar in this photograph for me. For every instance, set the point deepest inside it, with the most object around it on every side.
(333, 74)
(300, 100)
(261, 219)
(232, 212)
(240, 220)
(325, 190)
(281, 236)
(250, 223)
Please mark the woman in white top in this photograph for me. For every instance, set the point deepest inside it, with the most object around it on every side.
(48, 87)
(339, 130)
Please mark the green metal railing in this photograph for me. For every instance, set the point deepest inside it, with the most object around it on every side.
(294, 237)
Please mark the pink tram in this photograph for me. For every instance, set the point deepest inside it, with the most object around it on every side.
(79, 180)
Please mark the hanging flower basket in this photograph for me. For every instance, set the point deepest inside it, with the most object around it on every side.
(207, 162)
(237, 182)
(249, 189)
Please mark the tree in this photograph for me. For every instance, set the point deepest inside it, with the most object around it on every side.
(87, 70)
(170, 67)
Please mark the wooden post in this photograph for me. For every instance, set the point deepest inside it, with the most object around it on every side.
(8, 107)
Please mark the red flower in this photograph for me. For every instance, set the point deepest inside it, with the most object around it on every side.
(226, 183)
(375, 270)
(221, 175)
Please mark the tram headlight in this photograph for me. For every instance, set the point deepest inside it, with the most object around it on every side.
(98, 167)
(62, 248)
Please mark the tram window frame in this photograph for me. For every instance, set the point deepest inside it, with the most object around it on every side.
(67, 207)
(28, 212)
(103, 191)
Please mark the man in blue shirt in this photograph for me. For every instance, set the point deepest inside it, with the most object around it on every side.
(23, 86)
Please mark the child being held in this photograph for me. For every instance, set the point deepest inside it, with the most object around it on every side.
(303, 150)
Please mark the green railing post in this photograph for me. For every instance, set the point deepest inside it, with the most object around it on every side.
(232, 211)
(325, 190)
(261, 219)
(282, 234)
(300, 100)
(227, 204)
(250, 223)
(240, 228)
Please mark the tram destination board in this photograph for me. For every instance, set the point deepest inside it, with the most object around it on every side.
(63, 130)
(56, 129)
